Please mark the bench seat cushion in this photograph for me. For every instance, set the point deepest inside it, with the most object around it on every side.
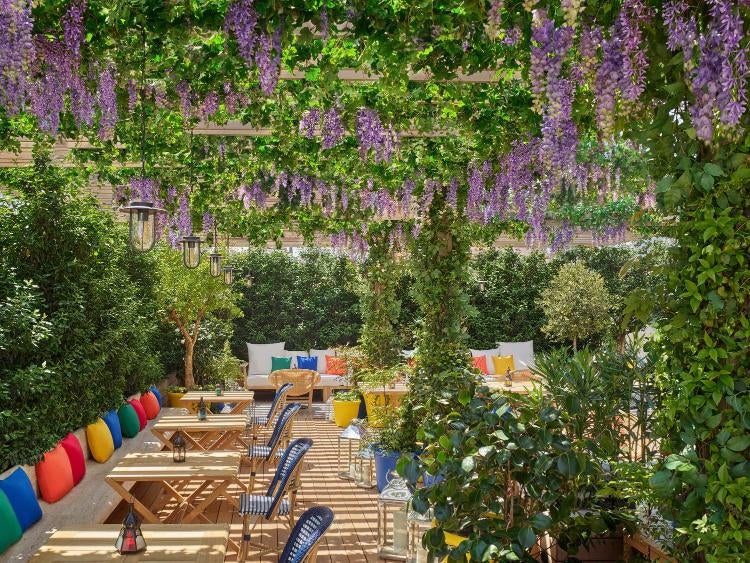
(129, 423)
(100, 441)
(141, 412)
(17, 487)
(10, 529)
(73, 448)
(258, 381)
(113, 423)
(54, 475)
(150, 405)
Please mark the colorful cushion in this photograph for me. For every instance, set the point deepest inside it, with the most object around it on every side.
(321, 355)
(73, 448)
(150, 405)
(480, 362)
(157, 394)
(280, 363)
(100, 441)
(113, 423)
(293, 354)
(335, 366)
(259, 356)
(303, 362)
(17, 487)
(129, 422)
(139, 410)
(502, 364)
(488, 354)
(10, 529)
(54, 476)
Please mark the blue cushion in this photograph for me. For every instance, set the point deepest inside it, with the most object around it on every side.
(156, 393)
(303, 362)
(22, 497)
(113, 422)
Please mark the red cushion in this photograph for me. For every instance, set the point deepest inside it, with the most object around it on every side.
(335, 366)
(73, 448)
(480, 362)
(138, 407)
(150, 405)
(54, 475)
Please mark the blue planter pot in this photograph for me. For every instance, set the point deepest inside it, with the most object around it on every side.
(362, 409)
(385, 462)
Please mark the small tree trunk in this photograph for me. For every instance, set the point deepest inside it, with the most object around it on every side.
(575, 344)
(189, 346)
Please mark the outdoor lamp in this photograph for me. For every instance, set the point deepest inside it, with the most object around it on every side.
(191, 251)
(202, 410)
(419, 525)
(351, 433)
(142, 222)
(228, 275)
(214, 261)
(130, 539)
(393, 503)
(178, 446)
(364, 467)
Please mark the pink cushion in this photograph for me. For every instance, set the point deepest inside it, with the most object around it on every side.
(150, 405)
(73, 448)
(54, 475)
(138, 407)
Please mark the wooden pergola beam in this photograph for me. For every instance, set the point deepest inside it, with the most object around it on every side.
(353, 75)
(235, 128)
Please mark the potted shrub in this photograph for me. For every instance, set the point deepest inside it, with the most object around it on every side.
(380, 400)
(345, 407)
(174, 394)
(388, 444)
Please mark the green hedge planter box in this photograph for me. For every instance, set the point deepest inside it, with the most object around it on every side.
(10, 529)
(129, 422)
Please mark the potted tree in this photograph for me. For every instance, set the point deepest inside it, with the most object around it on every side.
(380, 396)
(389, 443)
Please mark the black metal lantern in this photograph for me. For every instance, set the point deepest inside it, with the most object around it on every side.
(228, 275)
(130, 539)
(214, 260)
(179, 446)
(142, 224)
(191, 251)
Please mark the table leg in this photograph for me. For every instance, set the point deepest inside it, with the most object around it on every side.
(239, 407)
(200, 507)
(149, 516)
(161, 435)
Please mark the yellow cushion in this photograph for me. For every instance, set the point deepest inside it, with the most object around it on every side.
(503, 364)
(100, 441)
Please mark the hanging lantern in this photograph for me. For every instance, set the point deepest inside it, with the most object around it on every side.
(228, 275)
(350, 434)
(191, 251)
(214, 261)
(202, 410)
(419, 525)
(179, 445)
(393, 502)
(142, 224)
(130, 539)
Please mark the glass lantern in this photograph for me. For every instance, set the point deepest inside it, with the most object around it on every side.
(130, 538)
(214, 261)
(202, 410)
(228, 275)
(191, 251)
(364, 469)
(179, 446)
(349, 435)
(393, 504)
(419, 524)
(142, 221)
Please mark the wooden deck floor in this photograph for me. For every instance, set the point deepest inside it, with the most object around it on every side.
(353, 536)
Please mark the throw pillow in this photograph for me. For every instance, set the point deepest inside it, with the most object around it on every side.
(10, 529)
(139, 410)
(335, 366)
(303, 362)
(73, 448)
(129, 422)
(488, 353)
(280, 363)
(17, 487)
(503, 364)
(54, 476)
(100, 441)
(480, 362)
(259, 356)
(113, 423)
(150, 405)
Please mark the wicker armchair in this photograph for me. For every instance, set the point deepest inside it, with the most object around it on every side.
(303, 382)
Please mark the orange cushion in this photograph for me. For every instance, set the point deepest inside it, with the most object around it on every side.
(480, 362)
(150, 405)
(54, 475)
(335, 366)
(139, 410)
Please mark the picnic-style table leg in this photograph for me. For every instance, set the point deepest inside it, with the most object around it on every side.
(126, 495)
(161, 435)
(206, 502)
(239, 407)
(195, 442)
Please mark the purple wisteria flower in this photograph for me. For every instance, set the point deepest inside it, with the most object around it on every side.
(186, 98)
(333, 128)
(308, 124)
(107, 99)
(17, 51)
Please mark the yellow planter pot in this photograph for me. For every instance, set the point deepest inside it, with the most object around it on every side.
(173, 399)
(379, 404)
(453, 540)
(344, 412)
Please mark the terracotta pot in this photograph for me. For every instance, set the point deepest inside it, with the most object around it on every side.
(344, 412)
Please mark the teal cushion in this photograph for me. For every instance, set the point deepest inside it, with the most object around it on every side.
(280, 363)
(129, 422)
(10, 529)
(17, 487)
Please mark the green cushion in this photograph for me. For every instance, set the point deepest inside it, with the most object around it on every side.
(129, 422)
(10, 529)
(280, 363)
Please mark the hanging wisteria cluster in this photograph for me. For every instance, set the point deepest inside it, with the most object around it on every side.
(373, 136)
(16, 53)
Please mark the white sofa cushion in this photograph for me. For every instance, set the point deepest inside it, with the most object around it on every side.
(321, 355)
(258, 382)
(522, 352)
(293, 354)
(488, 354)
(259, 356)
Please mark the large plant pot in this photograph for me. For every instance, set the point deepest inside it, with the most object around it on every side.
(385, 462)
(173, 399)
(344, 412)
(379, 405)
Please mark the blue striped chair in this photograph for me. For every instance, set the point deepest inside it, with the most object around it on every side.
(302, 545)
(262, 456)
(280, 498)
(262, 423)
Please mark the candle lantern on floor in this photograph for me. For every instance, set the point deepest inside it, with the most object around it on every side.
(346, 464)
(179, 446)
(130, 539)
(364, 467)
(419, 524)
(202, 410)
(393, 536)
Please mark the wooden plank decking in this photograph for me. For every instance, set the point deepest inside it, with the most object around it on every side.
(353, 536)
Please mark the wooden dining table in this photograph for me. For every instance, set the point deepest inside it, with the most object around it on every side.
(239, 399)
(523, 387)
(194, 484)
(217, 432)
(205, 543)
